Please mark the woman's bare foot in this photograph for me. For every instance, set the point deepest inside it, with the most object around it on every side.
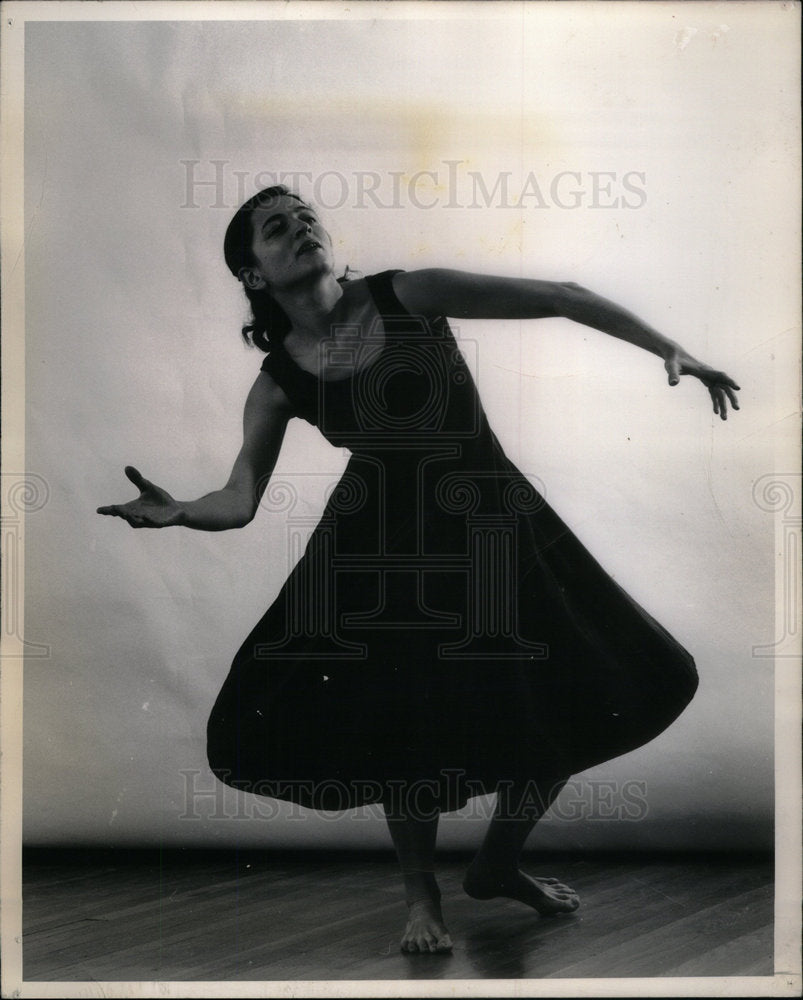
(425, 931)
(546, 895)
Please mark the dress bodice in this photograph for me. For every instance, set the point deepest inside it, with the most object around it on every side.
(412, 389)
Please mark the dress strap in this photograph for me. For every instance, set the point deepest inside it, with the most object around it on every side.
(289, 377)
(272, 364)
(396, 318)
(381, 288)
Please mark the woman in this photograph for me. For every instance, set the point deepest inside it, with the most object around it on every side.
(444, 634)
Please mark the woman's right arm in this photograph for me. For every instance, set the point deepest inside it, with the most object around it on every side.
(267, 411)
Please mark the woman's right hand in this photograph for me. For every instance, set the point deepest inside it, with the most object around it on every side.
(153, 508)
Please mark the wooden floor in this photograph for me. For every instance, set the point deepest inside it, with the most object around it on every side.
(256, 916)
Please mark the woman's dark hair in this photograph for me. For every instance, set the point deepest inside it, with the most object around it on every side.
(269, 323)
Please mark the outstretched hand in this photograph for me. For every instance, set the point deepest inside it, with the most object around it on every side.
(721, 387)
(153, 508)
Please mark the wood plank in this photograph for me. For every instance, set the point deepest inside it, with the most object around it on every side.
(657, 950)
(751, 953)
(263, 917)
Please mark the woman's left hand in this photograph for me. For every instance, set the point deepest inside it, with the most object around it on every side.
(721, 387)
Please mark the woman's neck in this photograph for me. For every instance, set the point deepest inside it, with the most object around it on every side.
(309, 308)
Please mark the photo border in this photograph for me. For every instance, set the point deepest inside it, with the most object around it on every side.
(15, 16)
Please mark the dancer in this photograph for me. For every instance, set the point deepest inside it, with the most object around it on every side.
(444, 634)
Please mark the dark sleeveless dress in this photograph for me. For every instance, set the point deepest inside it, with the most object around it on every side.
(443, 630)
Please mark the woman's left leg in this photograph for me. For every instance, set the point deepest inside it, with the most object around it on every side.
(414, 839)
(495, 869)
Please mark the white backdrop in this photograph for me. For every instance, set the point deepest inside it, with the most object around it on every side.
(676, 124)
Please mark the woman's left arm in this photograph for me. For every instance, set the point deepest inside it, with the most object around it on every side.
(462, 295)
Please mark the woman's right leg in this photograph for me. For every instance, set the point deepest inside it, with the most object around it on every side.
(414, 839)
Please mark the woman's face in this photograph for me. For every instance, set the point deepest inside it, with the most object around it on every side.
(289, 245)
